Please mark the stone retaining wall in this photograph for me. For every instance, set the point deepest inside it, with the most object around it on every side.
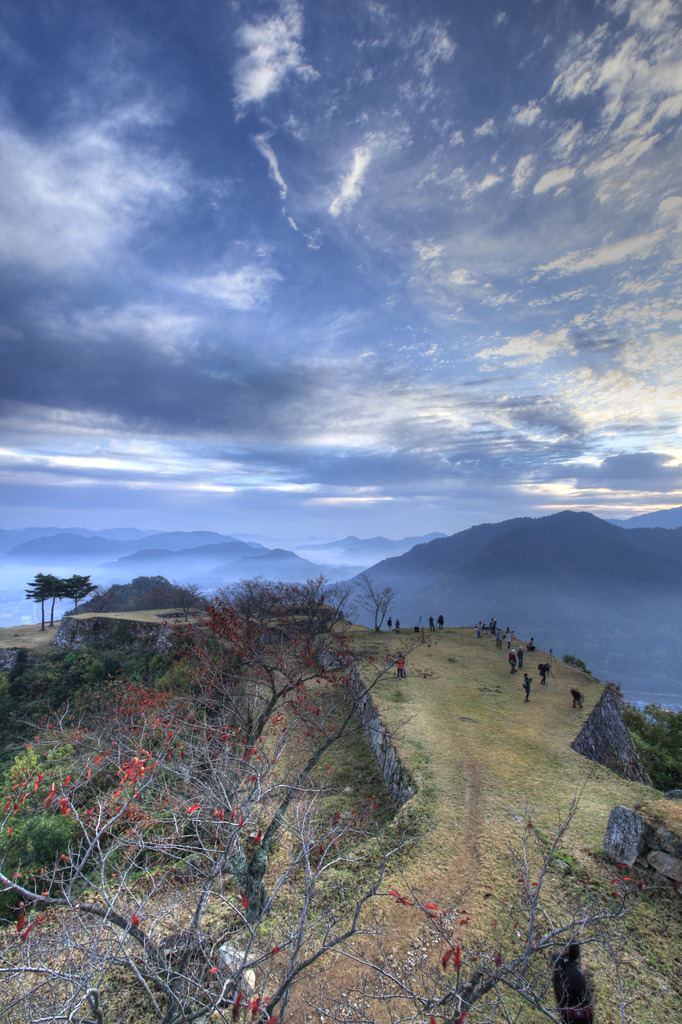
(396, 776)
(74, 633)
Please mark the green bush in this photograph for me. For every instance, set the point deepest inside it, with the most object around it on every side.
(570, 659)
(657, 733)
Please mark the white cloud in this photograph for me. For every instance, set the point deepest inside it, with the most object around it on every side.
(487, 128)
(670, 210)
(565, 143)
(553, 179)
(274, 51)
(639, 247)
(432, 44)
(483, 186)
(265, 149)
(526, 115)
(523, 171)
(530, 348)
(350, 188)
(428, 250)
(640, 71)
(623, 157)
(651, 15)
(244, 289)
(68, 198)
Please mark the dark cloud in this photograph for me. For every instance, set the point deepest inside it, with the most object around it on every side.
(638, 471)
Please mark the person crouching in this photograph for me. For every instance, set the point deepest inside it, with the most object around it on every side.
(570, 987)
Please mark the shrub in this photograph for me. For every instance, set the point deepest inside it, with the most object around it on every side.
(578, 663)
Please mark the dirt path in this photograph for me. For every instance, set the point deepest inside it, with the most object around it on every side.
(467, 863)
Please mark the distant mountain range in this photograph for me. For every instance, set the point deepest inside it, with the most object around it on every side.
(578, 584)
(206, 558)
(668, 518)
(609, 593)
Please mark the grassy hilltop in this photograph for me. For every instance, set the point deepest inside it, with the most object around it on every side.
(483, 759)
(484, 762)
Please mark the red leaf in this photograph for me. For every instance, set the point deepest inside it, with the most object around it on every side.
(465, 920)
(25, 934)
(194, 807)
(245, 902)
(394, 893)
(462, 1017)
(497, 958)
(431, 906)
(20, 921)
(446, 957)
(235, 1006)
(276, 949)
(457, 959)
(136, 920)
(253, 1006)
(213, 970)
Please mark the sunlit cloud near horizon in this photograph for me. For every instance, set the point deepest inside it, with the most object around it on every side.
(299, 269)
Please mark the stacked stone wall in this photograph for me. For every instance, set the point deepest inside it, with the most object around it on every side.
(74, 633)
(396, 776)
(605, 738)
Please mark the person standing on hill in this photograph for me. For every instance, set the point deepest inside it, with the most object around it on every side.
(441, 621)
(512, 660)
(527, 680)
(543, 669)
(397, 625)
(508, 637)
(432, 624)
(389, 623)
(571, 988)
(519, 656)
(401, 667)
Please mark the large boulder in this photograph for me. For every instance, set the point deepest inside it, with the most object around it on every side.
(670, 867)
(627, 835)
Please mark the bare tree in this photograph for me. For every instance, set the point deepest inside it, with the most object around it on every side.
(486, 971)
(102, 599)
(202, 867)
(188, 597)
(374, 599)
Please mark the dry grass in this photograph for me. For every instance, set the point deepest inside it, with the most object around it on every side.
(486, 759)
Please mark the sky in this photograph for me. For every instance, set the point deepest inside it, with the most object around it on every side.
(311, 268)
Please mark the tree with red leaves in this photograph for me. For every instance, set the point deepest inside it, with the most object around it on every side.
(490, 972)
(204, 862)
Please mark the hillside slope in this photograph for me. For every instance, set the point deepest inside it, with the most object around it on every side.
(484, 760)
(577, 584)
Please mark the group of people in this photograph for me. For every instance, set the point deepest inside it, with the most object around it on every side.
(432, 624)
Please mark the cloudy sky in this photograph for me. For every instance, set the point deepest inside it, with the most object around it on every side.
(318, 268)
